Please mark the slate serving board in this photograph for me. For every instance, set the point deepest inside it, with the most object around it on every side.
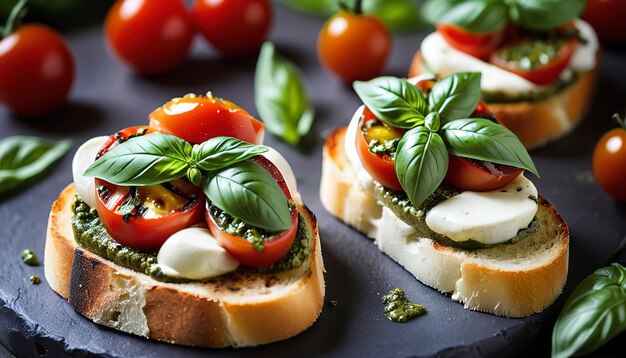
(107, 97)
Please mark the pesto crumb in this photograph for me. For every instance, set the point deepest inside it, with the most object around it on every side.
(399, 309)
(35, 280)
(29, 258)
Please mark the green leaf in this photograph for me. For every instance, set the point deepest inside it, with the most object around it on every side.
(280, 96)
(398, 15)
(25, 159)
(593, 314)
(393, 100)
(543, 15)
(478, 16)
(421, 163)
(248, 192)
(455, 96)
(482, 139)
(220, 152)
(141, 161)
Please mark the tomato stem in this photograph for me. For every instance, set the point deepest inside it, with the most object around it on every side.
(15, 18)
(620, 121)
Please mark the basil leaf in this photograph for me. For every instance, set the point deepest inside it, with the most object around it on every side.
(593, 314)
(280, 96)
(393, 100)
(479, 16)
(421, 163)
(482, 139)
(398, 15)
(543, 15)
(220, 152)
(141, 161)
(24, 159)
(455, 96)
(247, 191)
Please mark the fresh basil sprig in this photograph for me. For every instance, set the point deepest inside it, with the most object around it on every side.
(593, 314)
(483, 16)
(280, 96)
(24, 159)
(439, 126)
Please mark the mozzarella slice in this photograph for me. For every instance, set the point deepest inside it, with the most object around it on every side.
(488, 217)
(84, 157)
(194, 253)
(285, 169)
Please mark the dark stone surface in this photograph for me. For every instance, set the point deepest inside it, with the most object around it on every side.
(107, 97)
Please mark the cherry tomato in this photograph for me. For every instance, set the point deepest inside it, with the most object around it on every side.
(144, 217)
(234, 27)
(543, 74)
(609, 159)
(198, 118)
(607, 18)
(274, 249)
(474, 44)
(151, 36)
(36, 70)
(353, 46)
(380, 167)
(469, 174)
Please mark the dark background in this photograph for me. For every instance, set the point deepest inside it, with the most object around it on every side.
(106, 97)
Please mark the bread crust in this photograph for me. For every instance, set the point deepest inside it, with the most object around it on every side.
(538, 122)
(482, 285)
(240, 309)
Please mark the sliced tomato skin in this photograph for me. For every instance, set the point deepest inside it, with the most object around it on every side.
(542, 75)
(473, 44)
(273, 250)
(198, 119)
(466, 175)
(380, 167)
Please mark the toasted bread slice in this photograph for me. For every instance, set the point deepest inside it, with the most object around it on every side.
(238, 309)
(512, 280)
(539, 122)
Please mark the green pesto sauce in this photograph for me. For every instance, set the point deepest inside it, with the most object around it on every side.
(35, 280)
(29, 258)
(401, 206)
(532, 54)
(399, 309)
(384, 147)
(91, 235)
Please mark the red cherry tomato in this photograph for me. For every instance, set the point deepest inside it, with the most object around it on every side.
(353, 47)
(36, 70)
(198, 119)
(380, 167)
(468, 174)
(274, 249)
(153, 213)
(607, 18)
(609, 163)
(151, 36)
(543, 74)
(477, 45)
(234, 27)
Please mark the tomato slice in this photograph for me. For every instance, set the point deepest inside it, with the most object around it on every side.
(197, 119)
(474, 44)
(469, 174)
(543, 74)
(273, 250)
(380, 167)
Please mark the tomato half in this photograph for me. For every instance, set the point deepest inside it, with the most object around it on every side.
(36, 70)
(151, 36)
(273, 250)
(354, 47)
(469, 174)
(380, 167)
(473, 44)
(197, 119)
(234, 27)
(543, 74)
(609, 157)
(144, 217)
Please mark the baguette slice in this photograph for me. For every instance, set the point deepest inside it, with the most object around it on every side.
(538, 122)
(240, 309)
(513, 280)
